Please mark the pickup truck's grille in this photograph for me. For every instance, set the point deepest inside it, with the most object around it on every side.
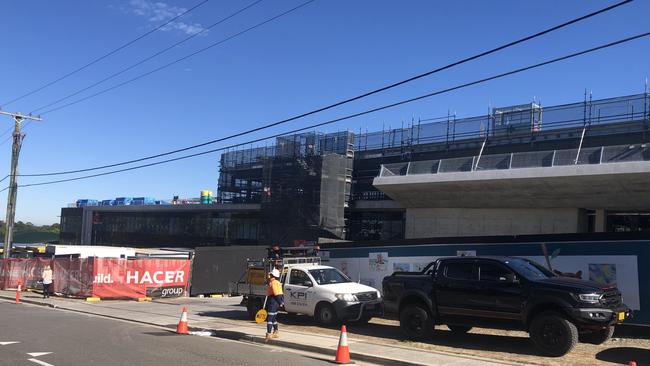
(611, 298)
(367, 296)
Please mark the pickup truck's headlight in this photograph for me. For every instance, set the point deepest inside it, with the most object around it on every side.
(346, 297)
(378, 295)
(590, 298)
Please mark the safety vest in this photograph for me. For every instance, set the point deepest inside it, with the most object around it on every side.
(275, 288)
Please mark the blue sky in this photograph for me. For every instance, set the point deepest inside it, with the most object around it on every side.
(323, 52)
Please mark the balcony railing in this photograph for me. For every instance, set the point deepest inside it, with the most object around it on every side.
(528, 122)
(603, 115)
(532, 159)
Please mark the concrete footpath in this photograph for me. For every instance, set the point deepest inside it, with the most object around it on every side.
(221, 317)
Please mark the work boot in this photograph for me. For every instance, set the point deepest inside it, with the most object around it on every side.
(276, 334)
(268, 337)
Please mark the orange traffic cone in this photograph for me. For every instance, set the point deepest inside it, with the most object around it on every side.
(18, 290)
(182, 324)
(343, 351)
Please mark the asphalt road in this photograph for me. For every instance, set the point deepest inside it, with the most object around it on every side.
(76, 339)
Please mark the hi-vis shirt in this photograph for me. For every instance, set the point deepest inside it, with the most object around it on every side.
(275, 288)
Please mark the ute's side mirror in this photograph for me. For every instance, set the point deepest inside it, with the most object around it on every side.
(308, 283)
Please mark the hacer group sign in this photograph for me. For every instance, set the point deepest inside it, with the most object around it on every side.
(102, 277)
(135, 278)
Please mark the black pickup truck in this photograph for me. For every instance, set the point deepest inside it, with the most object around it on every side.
(504, 293)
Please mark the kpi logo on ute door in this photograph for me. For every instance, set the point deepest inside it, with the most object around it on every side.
(299, 295)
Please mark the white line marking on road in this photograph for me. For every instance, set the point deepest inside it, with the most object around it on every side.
(7, 343)
(39, 362)
(37, 354)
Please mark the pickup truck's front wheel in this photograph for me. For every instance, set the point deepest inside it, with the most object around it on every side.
(552, 334)
(415, 322)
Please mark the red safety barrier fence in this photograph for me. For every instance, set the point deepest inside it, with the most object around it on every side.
(26, 272)
(101, 277)
(73, 276)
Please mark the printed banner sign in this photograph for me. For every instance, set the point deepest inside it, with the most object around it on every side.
(115, 278)
(103, 277)
(167, 291)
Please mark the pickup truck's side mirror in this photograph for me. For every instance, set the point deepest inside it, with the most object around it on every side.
(308, 283)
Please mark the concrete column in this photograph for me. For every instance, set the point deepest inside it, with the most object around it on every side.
(86, 226)
(601, 220)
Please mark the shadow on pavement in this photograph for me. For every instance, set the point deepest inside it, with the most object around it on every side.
(162, 333)
(623, 355)
(482, 342)
(229, 334)
(441, 337)
(632, 331)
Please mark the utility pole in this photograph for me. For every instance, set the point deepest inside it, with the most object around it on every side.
(13, 185)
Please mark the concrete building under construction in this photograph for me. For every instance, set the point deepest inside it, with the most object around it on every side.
(520, 170)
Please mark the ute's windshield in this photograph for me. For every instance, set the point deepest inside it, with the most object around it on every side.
(529, 269)
(328, 276)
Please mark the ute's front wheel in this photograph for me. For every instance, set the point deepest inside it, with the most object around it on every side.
(326, 315)
(552, 334)
(416, 323)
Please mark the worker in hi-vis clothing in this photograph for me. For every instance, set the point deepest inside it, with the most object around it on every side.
(274, 301)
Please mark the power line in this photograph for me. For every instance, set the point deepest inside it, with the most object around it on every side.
(180, 59)
(104, 56)
(169, 64)
(322, 108)
(147, 58)
(611, 7)
(369, 111)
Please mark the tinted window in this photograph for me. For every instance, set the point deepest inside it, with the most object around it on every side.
(298, 277)
(328, 276)
(529, 269)
(493, 272)
(460, 271)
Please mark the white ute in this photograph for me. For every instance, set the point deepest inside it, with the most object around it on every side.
(328, 295)
(315, 290)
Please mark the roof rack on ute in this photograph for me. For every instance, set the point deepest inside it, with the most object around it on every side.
(283, 256)
(300, 260)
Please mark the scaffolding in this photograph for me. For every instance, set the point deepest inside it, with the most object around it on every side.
(447, 143)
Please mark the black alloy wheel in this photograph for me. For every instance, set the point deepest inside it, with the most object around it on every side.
(552, 334)
(415, 322)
